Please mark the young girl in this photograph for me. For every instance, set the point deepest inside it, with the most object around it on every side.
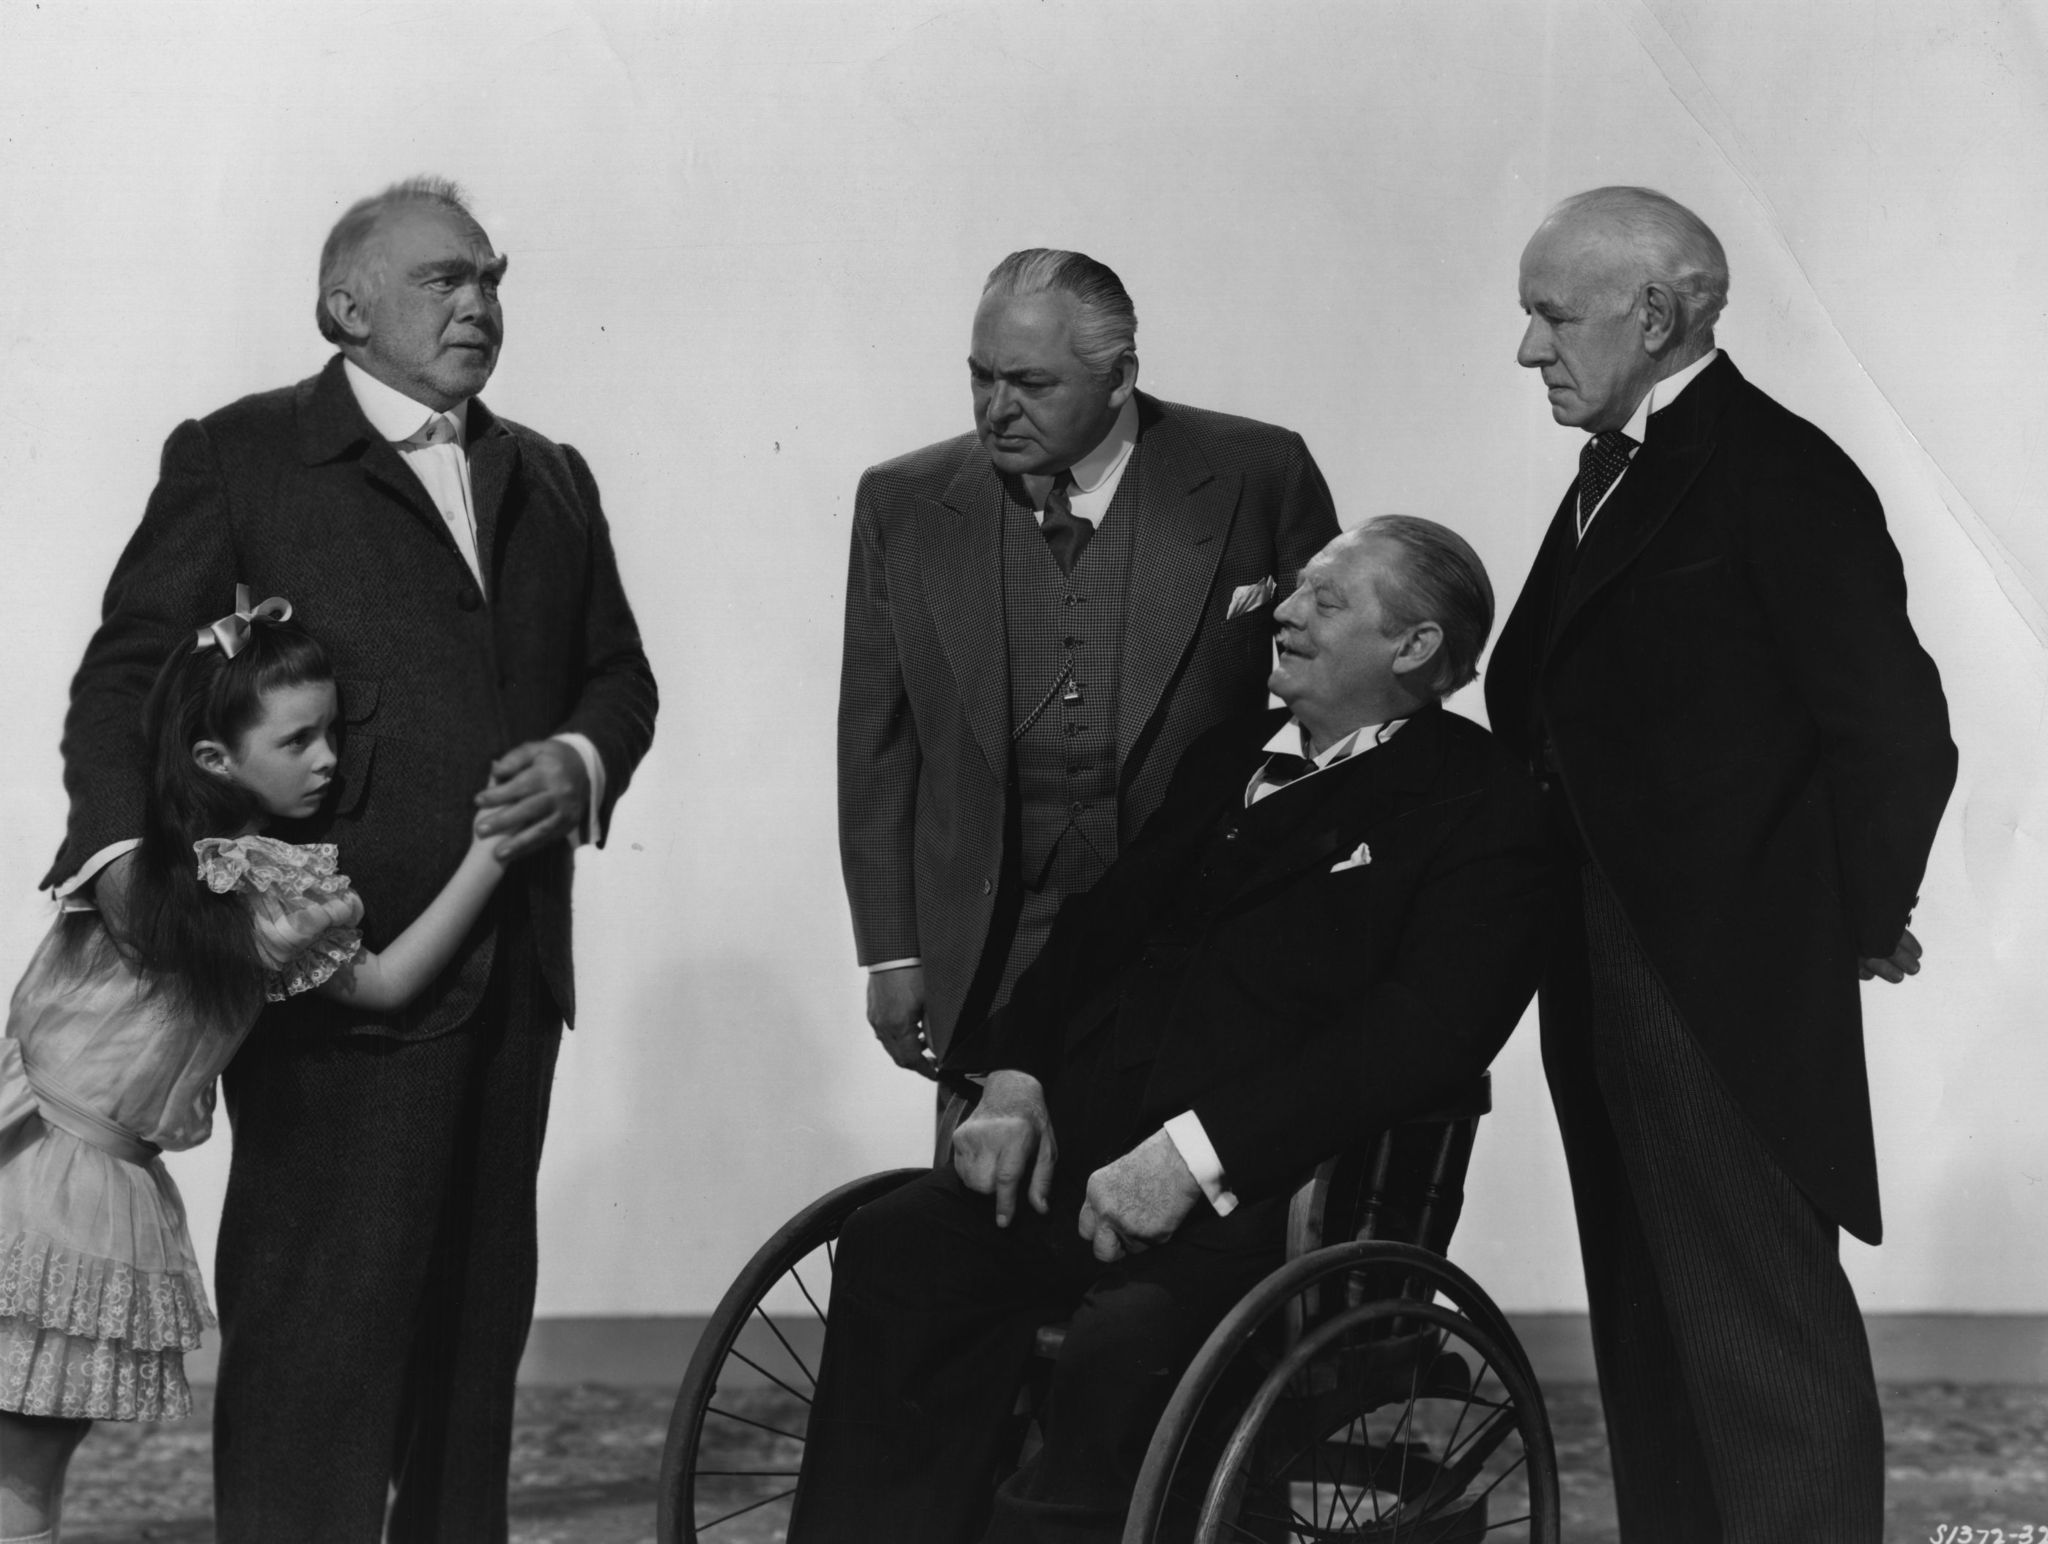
(128, 1014)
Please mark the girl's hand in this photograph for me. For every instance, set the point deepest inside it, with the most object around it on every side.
(284, 929)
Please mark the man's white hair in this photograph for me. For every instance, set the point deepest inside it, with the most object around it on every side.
(341, 255)
(1659, 241)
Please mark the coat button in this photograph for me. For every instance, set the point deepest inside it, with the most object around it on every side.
(1230, 835)
(986, 887)
(1076, 808)
(467, 598)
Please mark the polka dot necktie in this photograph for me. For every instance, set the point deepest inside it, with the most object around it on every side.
(1066, 533)
(1603, 459)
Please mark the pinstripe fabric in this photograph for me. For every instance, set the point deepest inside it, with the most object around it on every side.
(1734, 1368)
(924, 725)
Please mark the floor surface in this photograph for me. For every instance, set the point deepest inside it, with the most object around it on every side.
(585, 1462)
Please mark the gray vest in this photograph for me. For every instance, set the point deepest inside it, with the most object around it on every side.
(1065, 756)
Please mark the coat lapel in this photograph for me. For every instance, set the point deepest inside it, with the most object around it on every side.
(1680, 442)
(493, 461)
(1184, 514)
(332, 427)
(960, 540)
(1340, 805)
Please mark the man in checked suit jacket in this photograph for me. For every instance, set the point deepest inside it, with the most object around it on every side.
(1291, 955)
(1040, 617)
(377, 1251)
(1747, 753)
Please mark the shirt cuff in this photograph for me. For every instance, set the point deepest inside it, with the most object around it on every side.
(903, 964)
(1185, 1132)
(68, 893)
(593, 767)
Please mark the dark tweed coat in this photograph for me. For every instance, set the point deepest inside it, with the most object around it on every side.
(292, 493)
(924, 696)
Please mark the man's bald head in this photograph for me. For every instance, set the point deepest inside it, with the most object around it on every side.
(1622, 287)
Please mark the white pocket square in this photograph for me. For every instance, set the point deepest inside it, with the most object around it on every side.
(1358, 859)
(1249, 597)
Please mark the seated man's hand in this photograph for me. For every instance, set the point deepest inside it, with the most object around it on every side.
(1903, 961)
(538, 794)
(1139, 1200)
(1010, 1131)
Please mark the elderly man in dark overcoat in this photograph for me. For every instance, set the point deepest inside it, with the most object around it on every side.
(377, 1250)
(1712, 670)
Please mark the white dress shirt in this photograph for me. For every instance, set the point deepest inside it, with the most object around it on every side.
(1185, 1129)
(1660, 395)
(1096, 476)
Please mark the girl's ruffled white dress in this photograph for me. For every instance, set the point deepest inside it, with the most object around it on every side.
(100, 1290)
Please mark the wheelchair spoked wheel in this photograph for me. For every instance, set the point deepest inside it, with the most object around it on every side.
(735, 1438)
(1359, 1394)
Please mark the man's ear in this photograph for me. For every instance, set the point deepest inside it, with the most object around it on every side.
(1125, 373)
(212, 758)
(347, 313)
(1418, 648)
(1661, 317)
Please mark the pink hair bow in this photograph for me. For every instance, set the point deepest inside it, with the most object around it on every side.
(231, 633)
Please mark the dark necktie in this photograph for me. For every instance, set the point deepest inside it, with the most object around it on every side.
(1605, 456)
(1066, 533)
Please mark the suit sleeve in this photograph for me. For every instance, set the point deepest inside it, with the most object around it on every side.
(1474, 938)
(879, 756)
(617, 699)
(177, 570)
(1308, 518)
(1834, 593)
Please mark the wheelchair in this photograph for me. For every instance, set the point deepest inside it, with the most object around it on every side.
(1366, 1392)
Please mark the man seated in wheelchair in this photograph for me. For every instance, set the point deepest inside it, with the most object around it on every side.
(1297, 951)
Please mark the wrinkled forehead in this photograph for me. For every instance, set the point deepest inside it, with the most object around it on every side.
(1351, 560)
(1035, 328)
(1568, 258)
(409, 234)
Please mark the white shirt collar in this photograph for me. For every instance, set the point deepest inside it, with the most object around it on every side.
(1106, 459)
(1291, 739)
(1663, 393)
(392, 413)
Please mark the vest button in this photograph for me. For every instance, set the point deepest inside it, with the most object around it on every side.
(1071, 640)
(1230, 835)
(1072, 730)
(467, 598)
(1076, 808)
(1075, 769)
(1066, 600)
(986, 887)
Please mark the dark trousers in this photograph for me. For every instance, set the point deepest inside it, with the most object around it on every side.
(934, 1315)
(376, 1272)
(1733, 1363)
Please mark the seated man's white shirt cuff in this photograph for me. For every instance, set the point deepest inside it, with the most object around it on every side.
(902, 964)
(68, 892)
(593, 768)
(1185, 1132)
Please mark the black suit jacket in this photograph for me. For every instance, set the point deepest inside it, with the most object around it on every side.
(1221, 965)
(293, 493)
(1754, 745)
(924, 694)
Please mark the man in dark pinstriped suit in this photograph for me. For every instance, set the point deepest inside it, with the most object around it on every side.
(1712, 672)
(1040, 617)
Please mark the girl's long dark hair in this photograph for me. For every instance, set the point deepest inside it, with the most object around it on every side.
(190, 943)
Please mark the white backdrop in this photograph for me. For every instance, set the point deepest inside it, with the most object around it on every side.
(746, 241)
